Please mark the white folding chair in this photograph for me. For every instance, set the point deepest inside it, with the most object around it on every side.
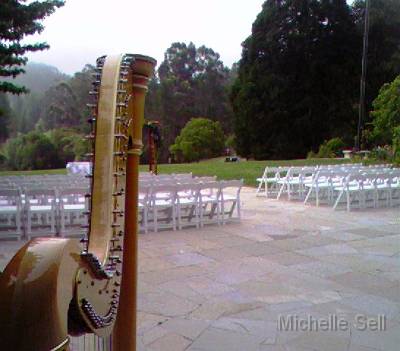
(163, 209)
(187, 204)
(72, 207)
(291, 183)
(229, 202)
(41, 212)
(271, 176)
(10, 213)
(209, 203)
(356, 188)
(143, 206)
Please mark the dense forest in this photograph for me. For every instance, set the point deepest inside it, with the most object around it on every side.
(295, 88)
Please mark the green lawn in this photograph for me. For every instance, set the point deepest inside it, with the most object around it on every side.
(248, 170)
(36, 172)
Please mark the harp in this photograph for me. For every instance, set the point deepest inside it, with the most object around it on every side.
(57, 289)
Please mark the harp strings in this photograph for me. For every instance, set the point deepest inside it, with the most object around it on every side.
(90, 342)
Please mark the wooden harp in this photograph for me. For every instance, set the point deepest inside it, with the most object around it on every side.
(55, 289)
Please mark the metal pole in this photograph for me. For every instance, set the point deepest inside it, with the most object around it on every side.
(361, 109)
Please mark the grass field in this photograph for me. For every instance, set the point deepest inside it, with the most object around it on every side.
(248, 170)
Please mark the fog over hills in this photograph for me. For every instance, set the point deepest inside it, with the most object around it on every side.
(39, 77)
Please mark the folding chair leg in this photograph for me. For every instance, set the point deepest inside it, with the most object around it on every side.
(259, 188)
(173, 218)
(338, 200)
(155, 215)
(145, 220)
(280, 192)
(307, 196)
(348, 199)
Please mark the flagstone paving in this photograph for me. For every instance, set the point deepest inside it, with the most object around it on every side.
(226, 287)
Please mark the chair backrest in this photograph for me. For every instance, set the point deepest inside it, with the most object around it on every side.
(41, 196)
(144, 192)
(10, 197)
(72, 195)
(163, 191)
(204, 179)
(187, 190)
(209, 188)
(230, 184)
(272, 172)
(182, 175)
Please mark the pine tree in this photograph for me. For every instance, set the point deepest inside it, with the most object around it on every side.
(17, 20)
(5, 114)
(297, 79)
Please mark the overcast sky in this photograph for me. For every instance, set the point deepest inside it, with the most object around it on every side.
(82, 30)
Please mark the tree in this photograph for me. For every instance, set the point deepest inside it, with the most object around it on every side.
(383, 43)
(38, 78)
(386, 114)
(5, 114)
(30, 151)
(81, 85)
(60, 108)
(191, 82)
(200, 138)
(17, 20)
(298, 78)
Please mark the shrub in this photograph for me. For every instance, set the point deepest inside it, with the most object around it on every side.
(70, 146)
(230, 142)
(396, 146)
(382, 154)
(200, 138)
(331, 148)
(30, 151)
(386, 113)
(38, 150)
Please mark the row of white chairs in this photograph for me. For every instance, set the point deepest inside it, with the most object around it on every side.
(364, 188)
(194, 202)
(165, 201)
(42, 211)
(323, 182)
(42, 181)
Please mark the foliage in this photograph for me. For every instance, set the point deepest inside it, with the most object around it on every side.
(386, 113)
(17, 20)
(396, 145)
(383, 43)
(200, 138)
(55, 100)
(5, 115)
(331, 148)
(38, 150)
(230, 142)
(297, 78)
(69, 146)
(382, 154)
(30, 151)
(191, 82)
(248, 170)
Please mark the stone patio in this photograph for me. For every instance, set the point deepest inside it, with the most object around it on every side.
(225, 287)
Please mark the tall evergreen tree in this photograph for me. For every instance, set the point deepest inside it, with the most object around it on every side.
(191, 82)
(17, 20)
(383, 58)
(298, 78)
(5, 114)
